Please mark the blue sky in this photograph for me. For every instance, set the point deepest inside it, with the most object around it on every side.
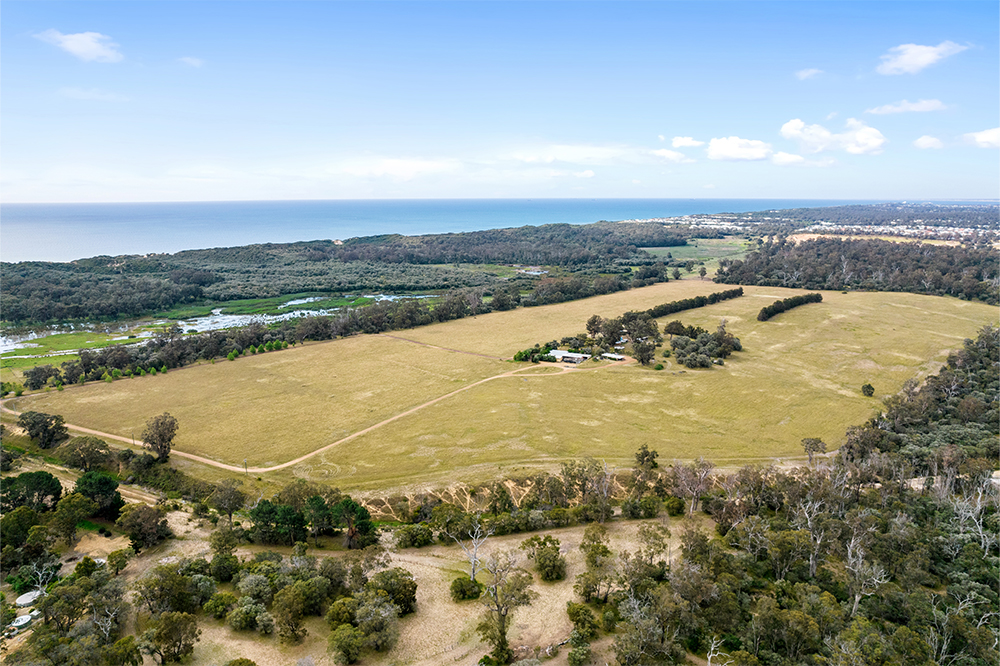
(176, 101)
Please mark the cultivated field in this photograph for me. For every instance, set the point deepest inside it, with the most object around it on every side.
(800, 376)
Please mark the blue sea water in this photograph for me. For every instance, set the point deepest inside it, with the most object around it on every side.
(64, 232)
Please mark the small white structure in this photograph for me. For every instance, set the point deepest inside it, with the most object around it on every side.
(28, 599)
(613, 357)
(568, 357)
(21, 622)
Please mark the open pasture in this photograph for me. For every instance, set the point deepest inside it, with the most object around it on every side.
(276, 406)
(709, 250)
(799, 376)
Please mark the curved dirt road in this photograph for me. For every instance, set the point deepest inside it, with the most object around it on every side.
(258, 470)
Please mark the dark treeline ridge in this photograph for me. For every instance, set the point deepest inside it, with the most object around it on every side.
(129, 286)
(983, 216)
(875, 265)
(844, 562)
(785, 304)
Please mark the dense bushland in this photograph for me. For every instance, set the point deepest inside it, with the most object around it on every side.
(834, 264)
(599, 256)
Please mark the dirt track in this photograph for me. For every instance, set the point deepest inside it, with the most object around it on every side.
(259, 470)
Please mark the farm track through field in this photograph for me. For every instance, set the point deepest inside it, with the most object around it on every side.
(457, 351)
(258, 470)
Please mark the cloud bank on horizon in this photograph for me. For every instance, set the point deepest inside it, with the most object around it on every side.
(344, 101)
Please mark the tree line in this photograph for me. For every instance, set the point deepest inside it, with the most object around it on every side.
(874, 265)
(786, 304)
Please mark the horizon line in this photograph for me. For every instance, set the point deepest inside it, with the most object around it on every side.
(402, 199)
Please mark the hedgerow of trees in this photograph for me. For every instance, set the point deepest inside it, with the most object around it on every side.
(785, 304)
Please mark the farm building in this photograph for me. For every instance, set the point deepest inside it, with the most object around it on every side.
(568, 357)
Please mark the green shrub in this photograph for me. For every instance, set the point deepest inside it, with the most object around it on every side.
(346, 643)
(414, 536)
(674, 506)
(630, 509)
(649, 507)
(579, 656)
(342, 611)
(658, 366)
(582, 618)
(465, 588)
(550, 564)
(609, 621)
(220, 604)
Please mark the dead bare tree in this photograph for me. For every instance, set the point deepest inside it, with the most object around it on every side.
(470, 536)
(864, 578)
(693, 480)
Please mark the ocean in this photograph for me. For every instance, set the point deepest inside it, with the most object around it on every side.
(64, 232)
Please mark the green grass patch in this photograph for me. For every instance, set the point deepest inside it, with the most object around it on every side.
(704, 249)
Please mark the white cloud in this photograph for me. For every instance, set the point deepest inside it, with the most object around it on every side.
(986, 139)
(399, 168)
(661, 137)
(804, 74)
(86, 46)
(584, 174)
(911, 58)
(906, 106)
(92, 94)
(858, 139)
(927, 141)
(193, 62)
(671, 155)
(831, 115)
(685, 142)
(787, 159)
(735, 148)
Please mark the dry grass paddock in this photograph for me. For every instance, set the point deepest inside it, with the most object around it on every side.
(800, 376)
(275, 406)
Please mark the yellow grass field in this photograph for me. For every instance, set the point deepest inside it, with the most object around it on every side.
(273, 407)
(800, 376)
